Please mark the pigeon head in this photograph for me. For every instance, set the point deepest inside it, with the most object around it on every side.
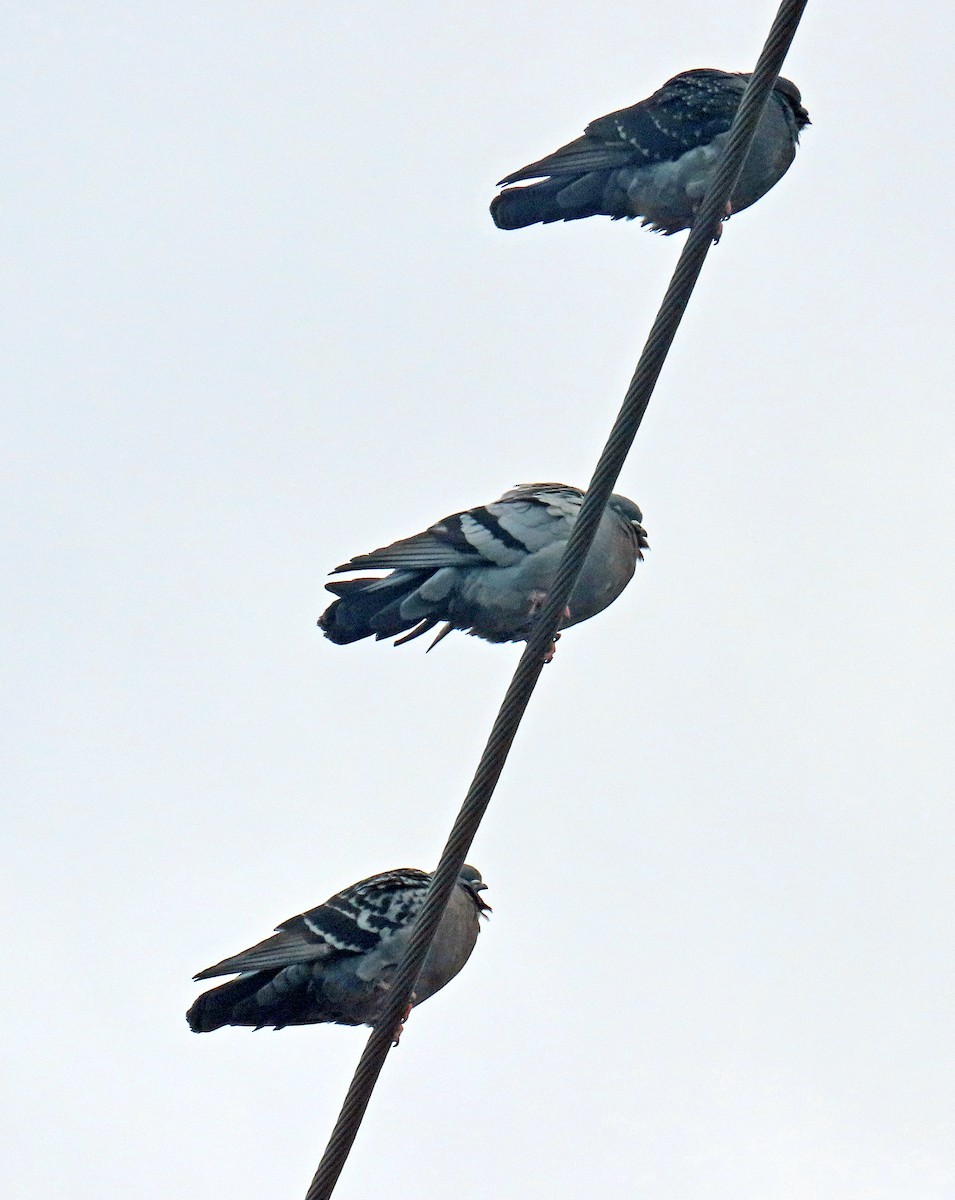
(632, 514)
(793, 96)
(626, 508)
(470, 879)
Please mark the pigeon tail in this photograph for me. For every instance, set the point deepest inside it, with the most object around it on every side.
(548, 201)
(218, 1006)
(369, 607)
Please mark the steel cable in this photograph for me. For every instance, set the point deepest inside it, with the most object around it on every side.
(522, 685)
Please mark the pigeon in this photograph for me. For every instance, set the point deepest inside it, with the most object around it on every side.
(655, 159)
(335, 963)
(486, 571)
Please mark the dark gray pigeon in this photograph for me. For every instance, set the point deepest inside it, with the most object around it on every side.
(655, 159)
(335, 963)
(486, 571)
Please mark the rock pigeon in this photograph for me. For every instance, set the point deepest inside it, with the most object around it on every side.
(335, 963)
(655, 159)
(486, 571)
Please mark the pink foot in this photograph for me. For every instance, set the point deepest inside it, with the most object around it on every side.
(401, 1021)
(537, 598)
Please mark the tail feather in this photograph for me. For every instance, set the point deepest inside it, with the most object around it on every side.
(551, 200)
(419, 629)
(218, 1006)
(288, 996)
(363, 610)
(293, 995)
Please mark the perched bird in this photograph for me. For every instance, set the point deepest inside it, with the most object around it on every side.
(335, 963)
(487, 570)
(655, 159)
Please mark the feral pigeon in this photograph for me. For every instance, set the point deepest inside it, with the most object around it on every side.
(335, 963)
(655, 159)
(486, 571)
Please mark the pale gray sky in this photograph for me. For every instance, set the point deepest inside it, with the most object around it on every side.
(259, 320)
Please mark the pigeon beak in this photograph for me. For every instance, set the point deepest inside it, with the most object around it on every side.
(483, 906)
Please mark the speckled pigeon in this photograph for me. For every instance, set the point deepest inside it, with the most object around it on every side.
(335, 963)
(655, 159)
(486, 571)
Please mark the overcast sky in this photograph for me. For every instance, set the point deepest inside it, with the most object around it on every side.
(259, 320)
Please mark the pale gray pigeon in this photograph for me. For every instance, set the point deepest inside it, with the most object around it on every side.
(335, 963)
(655, 159)
(486, 571)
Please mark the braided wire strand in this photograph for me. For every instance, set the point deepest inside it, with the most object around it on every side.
(532, 660)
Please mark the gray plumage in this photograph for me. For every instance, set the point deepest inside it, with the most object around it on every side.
(335, 963)
(655, 159)
(486, 571)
